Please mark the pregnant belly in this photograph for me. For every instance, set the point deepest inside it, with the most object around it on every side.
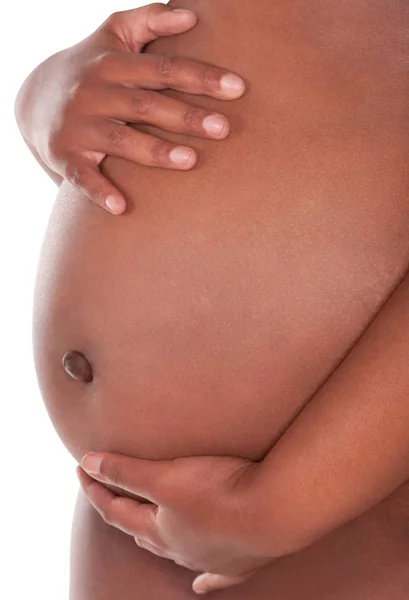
(208, 322)
(217, 305)
(207, 326)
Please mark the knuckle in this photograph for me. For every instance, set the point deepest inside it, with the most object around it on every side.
(193, 118)
(142, 103)
(166, 66)
(98, 196)
(106, 515)
(110, 470)
(101, 65)
(80, 97)
(155, 8)
(82, 178)
(210, 78)
(74, 174)
(114, 20)
(161, 151)
(116, 135)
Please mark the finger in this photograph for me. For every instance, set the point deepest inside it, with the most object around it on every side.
(130, 516)
(143, 106)
(142, 543)
(137, 27)
(144, 478)
(208, 582)
(159, 72)
(87, 177)
(117, 139)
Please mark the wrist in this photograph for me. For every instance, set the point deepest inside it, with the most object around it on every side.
(269, 516)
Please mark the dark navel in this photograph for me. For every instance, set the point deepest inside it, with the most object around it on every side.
(77, 366)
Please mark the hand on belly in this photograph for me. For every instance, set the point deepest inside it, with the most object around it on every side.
(199, 515)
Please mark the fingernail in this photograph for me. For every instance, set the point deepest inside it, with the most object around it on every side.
(114, 205)
(183, 11)
(198, 586)
(232, 85)
(184, 14)
(200, 591)
(181, 156)
(91, 463)
(215, 125)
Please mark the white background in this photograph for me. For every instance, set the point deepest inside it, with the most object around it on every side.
(38, 482)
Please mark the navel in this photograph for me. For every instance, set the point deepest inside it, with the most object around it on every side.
(77, 366)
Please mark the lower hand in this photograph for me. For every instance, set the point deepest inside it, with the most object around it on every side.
(197, 513)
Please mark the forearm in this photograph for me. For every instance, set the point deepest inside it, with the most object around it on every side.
(349, 448)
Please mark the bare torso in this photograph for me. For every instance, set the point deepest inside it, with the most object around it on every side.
(214, 309)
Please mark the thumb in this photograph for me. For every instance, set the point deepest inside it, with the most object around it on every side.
(139, 26)
(210, 582)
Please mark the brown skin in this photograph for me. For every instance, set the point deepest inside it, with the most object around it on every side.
(365, 560)
(104, 82)
(337, 219)
(346, 451)
(349, 445)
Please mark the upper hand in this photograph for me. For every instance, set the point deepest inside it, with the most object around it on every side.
(104, 82)
(198, 515)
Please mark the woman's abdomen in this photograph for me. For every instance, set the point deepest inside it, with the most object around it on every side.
(208, 320)
(213, 309)
(363, 560)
